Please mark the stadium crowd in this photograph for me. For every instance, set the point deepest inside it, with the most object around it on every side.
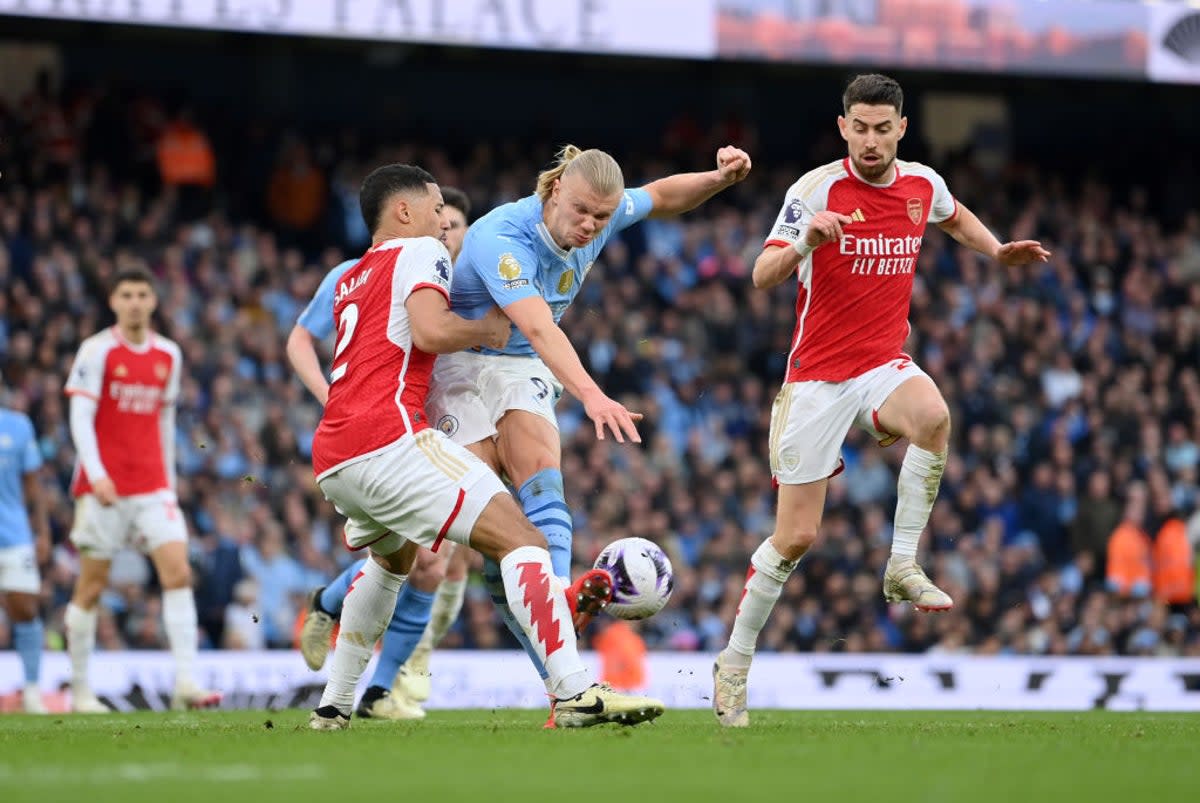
(1073, 386)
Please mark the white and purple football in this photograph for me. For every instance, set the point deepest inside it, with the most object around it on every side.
(642, 577)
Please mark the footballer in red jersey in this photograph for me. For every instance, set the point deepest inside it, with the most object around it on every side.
(123, 388)
(399, 481)
(851, 232)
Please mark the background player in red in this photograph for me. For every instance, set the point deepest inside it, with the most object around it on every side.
(123, 386)
(378, 460)
(851, 231)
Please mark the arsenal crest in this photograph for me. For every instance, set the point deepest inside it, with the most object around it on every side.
(916, 211)
(161, 370)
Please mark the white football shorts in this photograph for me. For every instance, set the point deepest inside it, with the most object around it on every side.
(143, 522)
(810, 420)
(469, 393)
(424, 486)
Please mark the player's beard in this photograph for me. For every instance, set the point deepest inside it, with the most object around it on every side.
(875, 171)
(137, 325)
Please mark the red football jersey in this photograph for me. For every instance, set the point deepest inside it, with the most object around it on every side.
(853, 300)
(379, 380)
(130, 384)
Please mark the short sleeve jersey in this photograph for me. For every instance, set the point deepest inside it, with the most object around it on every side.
(509, 255)
(379, 380)
(853, 300)
(317, 317)
(19, 455)
(130, 384)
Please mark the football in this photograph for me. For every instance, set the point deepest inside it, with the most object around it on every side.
(642, 577)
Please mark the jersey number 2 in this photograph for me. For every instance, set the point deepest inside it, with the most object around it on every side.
(346, 324)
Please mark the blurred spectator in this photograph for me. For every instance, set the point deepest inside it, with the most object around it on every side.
(1097, 516)
(187, 164)
(1129, 568)
(1174, 566)
(296, 194)
(622, 656)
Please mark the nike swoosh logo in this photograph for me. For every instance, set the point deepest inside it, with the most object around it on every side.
(595, 708)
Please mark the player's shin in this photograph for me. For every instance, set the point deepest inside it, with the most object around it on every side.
(446, 607)
(536, 598)
(179, 620)
(332, 595)
(498, 590)
(916, 491)
(764, 583)
(544, 503)
(81, 641)
(366, 612)
(27, 639)
(409, 619)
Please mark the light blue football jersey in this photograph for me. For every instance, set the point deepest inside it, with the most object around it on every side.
(317, 317)
(19, 455)
(509, 255)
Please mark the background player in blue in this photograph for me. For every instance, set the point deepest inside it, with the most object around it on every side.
(530, 258)
(431, 599)
(20, 551)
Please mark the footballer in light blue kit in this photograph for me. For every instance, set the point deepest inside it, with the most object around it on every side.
(530, 258)
(20, 551)
(510, 255)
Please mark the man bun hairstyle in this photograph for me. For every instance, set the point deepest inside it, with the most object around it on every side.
(599, 169)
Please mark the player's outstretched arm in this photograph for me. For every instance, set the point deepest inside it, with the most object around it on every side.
(302, 354)
(533, 317)
(437, 330)
(967, 229)
(683, 192)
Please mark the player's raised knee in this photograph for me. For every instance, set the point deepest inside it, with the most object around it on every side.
(430, 567)
(932, 423)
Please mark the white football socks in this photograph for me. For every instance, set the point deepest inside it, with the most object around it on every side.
(368, 608)
(179, 620)
(916, 491)
(446, 607)
(81, 641)
(535, 597)
(764, 583)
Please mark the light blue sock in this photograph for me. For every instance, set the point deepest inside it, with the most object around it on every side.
(335, 593)
(413, 609)
(27, 638)
(495, 586)
(545, 505)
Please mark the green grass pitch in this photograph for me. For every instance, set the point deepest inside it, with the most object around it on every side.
(494, 756)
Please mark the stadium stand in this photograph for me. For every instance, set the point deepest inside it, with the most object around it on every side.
(1073, 386)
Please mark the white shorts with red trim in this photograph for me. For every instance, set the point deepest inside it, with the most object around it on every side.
(423, 488)
(469, 393)
(810, 420)
(143, 522)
